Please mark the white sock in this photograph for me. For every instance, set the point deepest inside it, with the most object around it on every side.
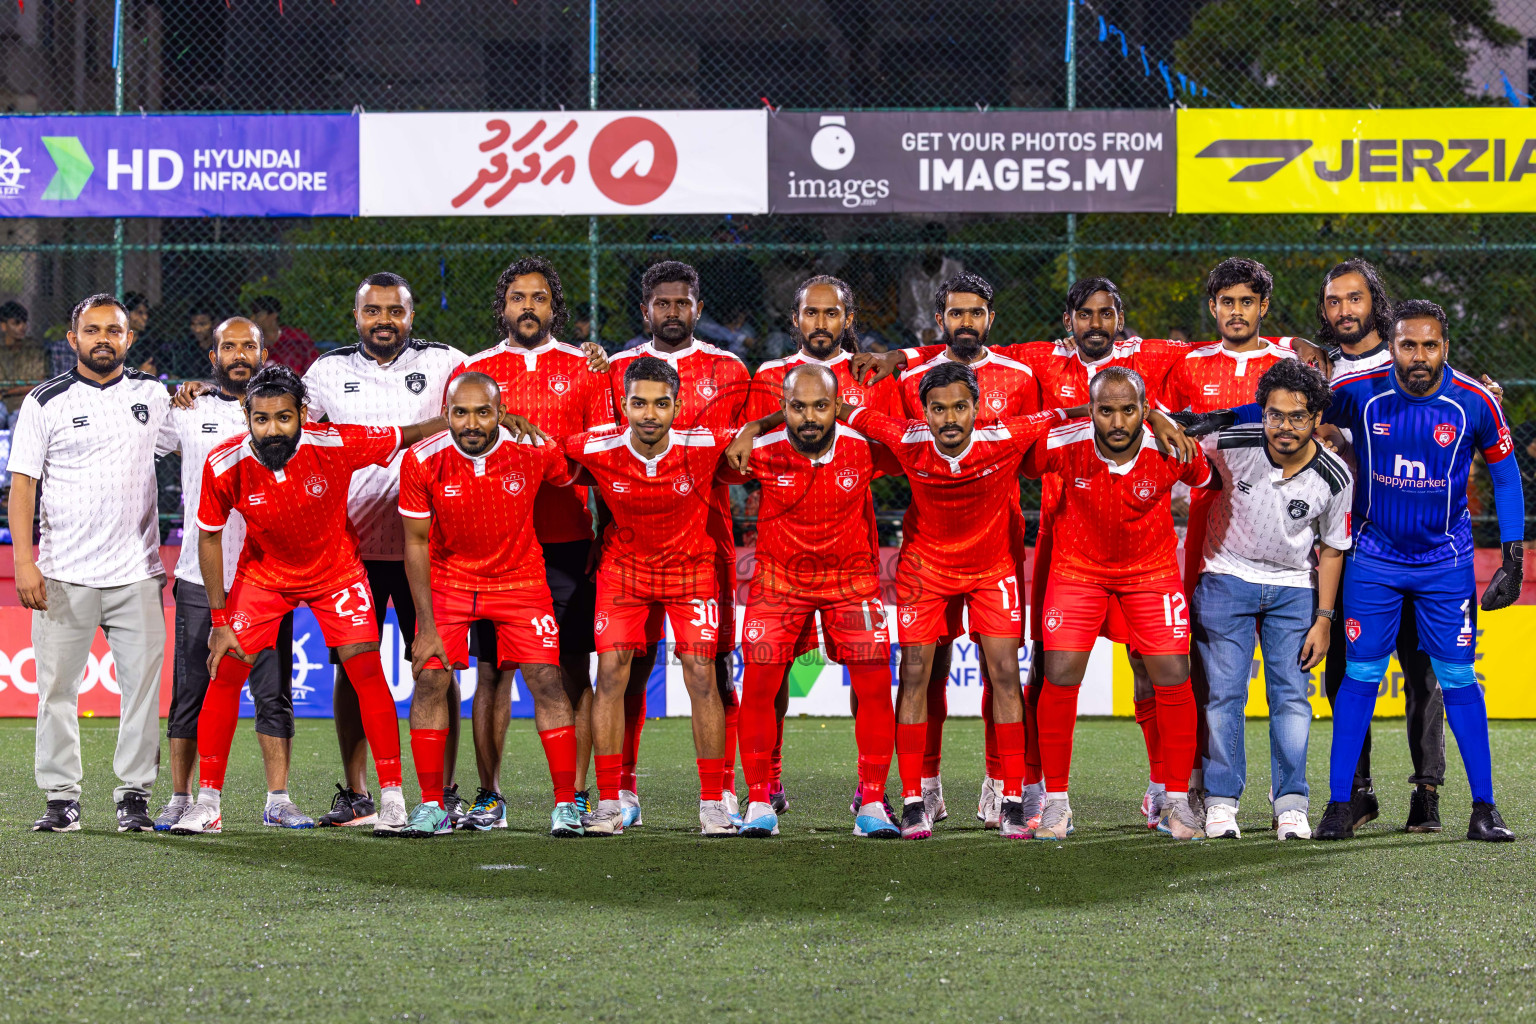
(209, 796)
(276, 796)
(397, 790)
(181, 799)
(1049, 796)
(1156, 787)
(912, 800)
(1177, 796)
(1013, 799)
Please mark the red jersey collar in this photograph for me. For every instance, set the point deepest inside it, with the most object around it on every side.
(1147, 441)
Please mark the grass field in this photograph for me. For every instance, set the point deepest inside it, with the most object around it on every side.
(1116, 923)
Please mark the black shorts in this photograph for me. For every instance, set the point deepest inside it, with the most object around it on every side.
(271, 680)
(574, 595)
(388, 583)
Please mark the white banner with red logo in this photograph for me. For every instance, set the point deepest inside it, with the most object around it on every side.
(556, 162)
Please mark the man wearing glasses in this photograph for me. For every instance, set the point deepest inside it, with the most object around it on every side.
(1281, 491)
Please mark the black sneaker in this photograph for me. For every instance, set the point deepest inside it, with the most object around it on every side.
(1338, 821)
(453, 804)
(777, 799)
(348, 808)
(1486, 825)
(1423, 811)
(1362, 803)
(62, 816)
(133, 814)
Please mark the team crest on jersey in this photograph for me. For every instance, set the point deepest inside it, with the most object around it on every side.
(600, 623)
(683, 484)
(141, 412)
(847, 478)
(852, 396)
(1352, 629)
(1053, 619)
(1298, 509)
(512, 483)
(753, 631)
(706, 387)
(416, 383)
(1445, 433)
(315, 485)
(907, 617)
(1143, 489)
(239, 622)
(559, 383)
(996, 400)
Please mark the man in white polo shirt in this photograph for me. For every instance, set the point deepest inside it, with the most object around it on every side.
(1281, 493)
(88, 437)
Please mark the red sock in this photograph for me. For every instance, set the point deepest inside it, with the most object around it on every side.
(933, 737)
(216, 722)
(759, 685)
(1010, 745)
(1032, 773)
(732, 728)
(711, 771)
(776, 758)
(909, 757)
(1146, 717)
(874, 728)
(427, 746)
(607, 768)
(1176, 729)
(1058, 718)
(381, 722)
(560, 752)
(634, 721)
(989, 728)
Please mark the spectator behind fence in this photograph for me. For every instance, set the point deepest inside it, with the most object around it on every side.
(21, 359)
(921, 280)
(292, 347)
(146, 354)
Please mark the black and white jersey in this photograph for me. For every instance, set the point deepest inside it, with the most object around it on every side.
(347, 385)
(1263, 526)
(92, 446)
(194, 433)
(1344, 363)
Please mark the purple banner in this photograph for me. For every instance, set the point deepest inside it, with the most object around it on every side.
(179, 165)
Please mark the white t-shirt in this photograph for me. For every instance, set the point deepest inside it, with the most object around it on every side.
(349, 386)
(195, 432)
(92, 446)
(1263, 526)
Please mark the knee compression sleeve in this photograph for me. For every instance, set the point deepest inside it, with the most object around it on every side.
(1453, 674)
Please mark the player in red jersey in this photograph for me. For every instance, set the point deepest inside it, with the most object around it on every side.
(658, 558)
(712, 394)
(816, 557)
(468, 496)
(289, 480)
(956, 552)
(1115, 542)
(824, 328)
(548, 382)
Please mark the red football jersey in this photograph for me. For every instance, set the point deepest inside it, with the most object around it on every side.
(1008, 388)
(1114, 523)
(714, 384)
(297, 532)
(958, 523)
(480, 507)
(1214, 377)
(552, 386)
(765, 395)
(816, 520)
(659, 542)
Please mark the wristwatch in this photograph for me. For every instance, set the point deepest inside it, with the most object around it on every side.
(1326, 613)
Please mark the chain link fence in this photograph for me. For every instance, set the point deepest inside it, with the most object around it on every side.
(320, 55)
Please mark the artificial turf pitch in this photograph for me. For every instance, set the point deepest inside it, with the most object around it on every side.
(660, 924)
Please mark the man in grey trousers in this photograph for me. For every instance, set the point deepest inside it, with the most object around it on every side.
(86, 438)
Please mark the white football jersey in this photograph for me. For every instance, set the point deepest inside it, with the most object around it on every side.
(347, 385)
(194, 433)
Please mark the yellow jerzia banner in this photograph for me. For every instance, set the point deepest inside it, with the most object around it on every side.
(1461, 160)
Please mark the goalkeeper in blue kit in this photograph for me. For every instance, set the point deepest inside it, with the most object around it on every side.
(1414, 427)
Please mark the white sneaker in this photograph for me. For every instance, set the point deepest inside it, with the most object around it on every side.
(1152, 803)
(630, 801)
(392, 815)
(1221, 822)
(199, 820)
(873, 820)
(715, 818)
(1293, 825)
(988, 805)
(732, 807)
(933, 799)
(607, 820)
(761, 820)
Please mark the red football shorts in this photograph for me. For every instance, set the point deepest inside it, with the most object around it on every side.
(526, 630)
(344, 611)
(1156, 616)
(725, 612)
(777, 627)
(929, 613)
(1115, 627)
(627, 621)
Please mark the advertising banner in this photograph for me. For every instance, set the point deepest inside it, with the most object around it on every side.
(179, 165)
(528, 163)
(1091, 161)
(1461, 160)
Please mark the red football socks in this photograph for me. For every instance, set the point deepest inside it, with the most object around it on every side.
(989, 728)
(1146, 717)
(732, 727)
(1010, 746)
(776, 759)
(634, 722)
(427, 746)
(560, 752)
(711, 771)
(933, 738)
(381, 723)
(1032, 773)
(759, 684)
(607, 767)
(1058, 718)
(216, 722)
(910, 741)
(874, 728)
(1176, 728)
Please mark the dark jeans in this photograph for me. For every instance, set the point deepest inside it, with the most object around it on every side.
(1421, 690)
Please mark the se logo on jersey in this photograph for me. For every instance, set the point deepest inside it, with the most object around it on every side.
(315, 485)
(1445, 433)
(512, 483)
(846, 478)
